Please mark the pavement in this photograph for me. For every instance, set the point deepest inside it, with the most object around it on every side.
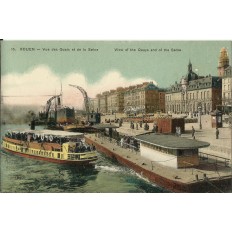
(218, 147)
(221, 146)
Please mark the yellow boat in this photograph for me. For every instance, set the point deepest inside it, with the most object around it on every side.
(49, 145)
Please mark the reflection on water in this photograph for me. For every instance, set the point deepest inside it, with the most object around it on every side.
(19, 174)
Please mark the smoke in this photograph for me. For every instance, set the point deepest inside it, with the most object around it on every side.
(18, 114)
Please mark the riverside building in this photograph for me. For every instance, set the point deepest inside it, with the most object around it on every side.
(194, 92)
(142, 98)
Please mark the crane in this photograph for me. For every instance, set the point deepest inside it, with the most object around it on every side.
(86, 99)
(48, 105)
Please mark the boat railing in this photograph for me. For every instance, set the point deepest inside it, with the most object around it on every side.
(188, 165)
(218, 159)
(119, 143)
(83, 155)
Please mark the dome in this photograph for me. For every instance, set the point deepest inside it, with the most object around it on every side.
(223, 49)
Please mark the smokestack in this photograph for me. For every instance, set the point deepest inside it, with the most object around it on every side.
(59, 101)
(33, 125)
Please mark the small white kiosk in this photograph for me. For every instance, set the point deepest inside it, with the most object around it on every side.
(170, 150)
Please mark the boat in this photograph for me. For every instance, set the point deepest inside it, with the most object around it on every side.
(53, 146)
(65, 115)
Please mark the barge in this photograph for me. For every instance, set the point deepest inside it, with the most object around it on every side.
(172, 163)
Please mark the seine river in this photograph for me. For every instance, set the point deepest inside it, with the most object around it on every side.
(19, 174)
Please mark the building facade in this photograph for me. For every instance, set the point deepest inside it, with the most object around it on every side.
(115, 101)
(227, 87)
(141, 98)
(162, 100)
(192, 92)
(94, 105)
(103, 106)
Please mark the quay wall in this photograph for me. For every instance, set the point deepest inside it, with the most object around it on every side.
(168, 184)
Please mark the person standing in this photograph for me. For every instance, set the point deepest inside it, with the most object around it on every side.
(154, 128)
(217, 133)
(193, 132)
(179, 131)
(122, 142)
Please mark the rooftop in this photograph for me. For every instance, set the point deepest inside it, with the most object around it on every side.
(171, 141)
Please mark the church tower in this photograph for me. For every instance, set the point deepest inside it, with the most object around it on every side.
(223, 62)
(191, 75)
(190, 68)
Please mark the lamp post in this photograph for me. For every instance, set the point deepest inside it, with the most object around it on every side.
(199, 110)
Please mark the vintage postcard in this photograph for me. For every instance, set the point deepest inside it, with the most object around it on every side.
(116, 116)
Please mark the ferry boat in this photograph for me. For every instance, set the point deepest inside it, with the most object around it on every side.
(49, 145)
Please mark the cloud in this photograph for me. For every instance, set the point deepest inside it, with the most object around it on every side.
(38, 85)
(29, 87)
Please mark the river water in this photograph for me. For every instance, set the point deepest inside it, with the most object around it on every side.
(19, 174)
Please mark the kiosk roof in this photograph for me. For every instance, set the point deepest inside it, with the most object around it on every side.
(171, 141)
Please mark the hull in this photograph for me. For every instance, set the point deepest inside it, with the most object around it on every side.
(69, 162)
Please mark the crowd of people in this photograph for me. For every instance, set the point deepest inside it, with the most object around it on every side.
(129, 142)
(139, 124)
(81, 148)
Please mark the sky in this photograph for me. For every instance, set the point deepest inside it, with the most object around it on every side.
(35, 70)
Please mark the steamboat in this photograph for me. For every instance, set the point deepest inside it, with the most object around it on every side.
(53, 146)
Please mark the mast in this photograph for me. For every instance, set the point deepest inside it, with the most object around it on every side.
(61, 94)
